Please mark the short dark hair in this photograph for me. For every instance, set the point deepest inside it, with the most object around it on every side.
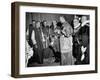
(33, 21)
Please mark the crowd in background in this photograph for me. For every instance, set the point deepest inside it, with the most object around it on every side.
(68, 42)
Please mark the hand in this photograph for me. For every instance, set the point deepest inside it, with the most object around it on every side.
(82, 57)
(83, 49)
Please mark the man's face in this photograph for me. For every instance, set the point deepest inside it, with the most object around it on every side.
(45, 23)
(75, 22)
(84, 18)
(54, 23)
(33, 23)
(62, 19)
(38, 24)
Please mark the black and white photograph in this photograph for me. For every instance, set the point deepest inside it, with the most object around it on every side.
(51, 39)
(57, 39)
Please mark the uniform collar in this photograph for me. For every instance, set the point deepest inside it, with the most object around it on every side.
(84, 23)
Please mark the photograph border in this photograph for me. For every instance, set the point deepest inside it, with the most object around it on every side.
(15, 38)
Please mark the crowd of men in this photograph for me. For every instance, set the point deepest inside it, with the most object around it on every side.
(68, 42)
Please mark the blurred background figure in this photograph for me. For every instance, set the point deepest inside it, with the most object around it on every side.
(46, 42)
(29, 42)
(29, 53)
(30, 29)
(39, 45)
(28, 49)
(45, 29)
(54, 40)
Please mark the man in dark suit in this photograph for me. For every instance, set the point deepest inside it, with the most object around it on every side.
(81, 42)
(76, 41)
(37, 42)
(85, 50)
(84, 33)
(31, 28)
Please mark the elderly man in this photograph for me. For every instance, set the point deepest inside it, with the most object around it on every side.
(66, 43)
(37, 42)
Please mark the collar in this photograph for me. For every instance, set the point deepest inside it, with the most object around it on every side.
(84, 23)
